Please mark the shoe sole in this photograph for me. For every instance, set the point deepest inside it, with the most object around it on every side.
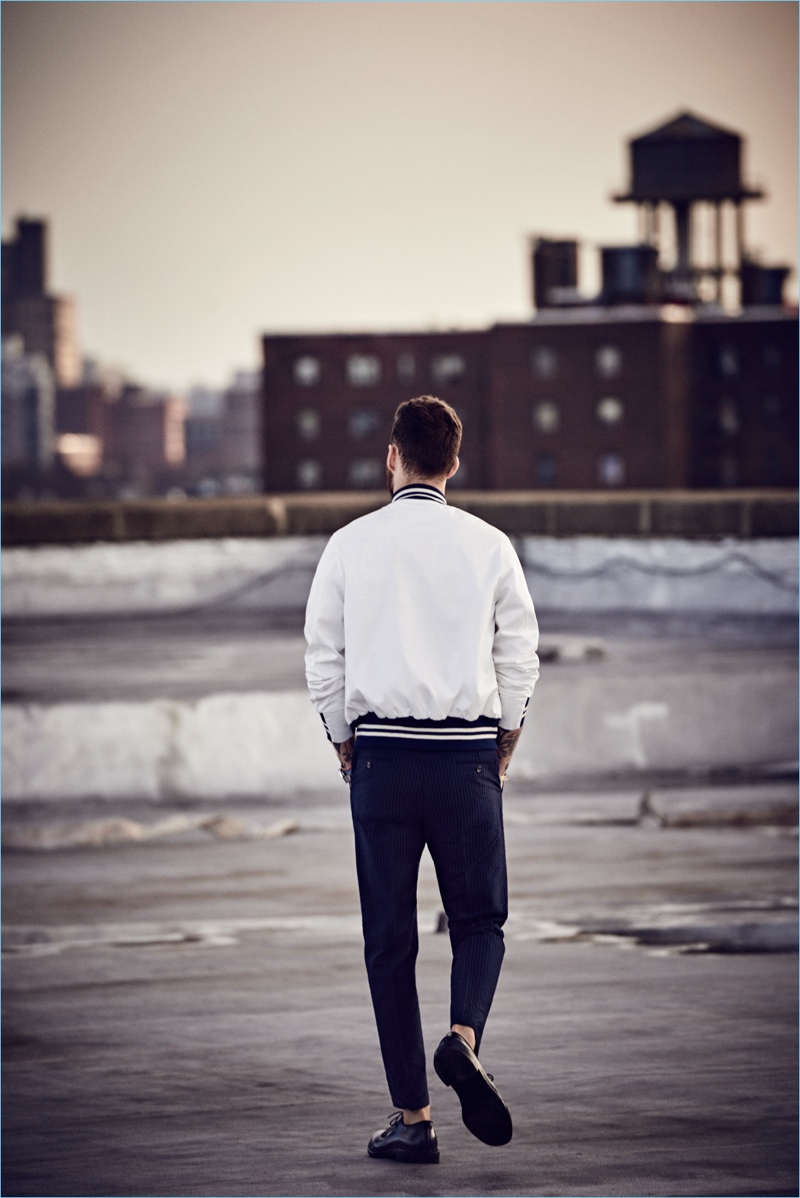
(483, 1111)
(406, 1158)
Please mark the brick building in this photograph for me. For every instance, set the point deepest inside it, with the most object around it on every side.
(576, 399)
(653, 383)
(329, 402)
(145, 432)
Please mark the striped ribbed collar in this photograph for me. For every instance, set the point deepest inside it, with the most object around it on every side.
(419, 491)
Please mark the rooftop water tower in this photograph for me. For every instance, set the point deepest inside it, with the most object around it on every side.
(693, 170)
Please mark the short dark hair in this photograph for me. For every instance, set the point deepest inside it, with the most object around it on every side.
(427, 433)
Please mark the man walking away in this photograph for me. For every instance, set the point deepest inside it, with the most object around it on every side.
(421, 661)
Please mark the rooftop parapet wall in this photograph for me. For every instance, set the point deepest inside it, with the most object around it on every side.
(700, 515)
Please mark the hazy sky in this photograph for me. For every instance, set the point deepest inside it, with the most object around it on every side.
(216, 170)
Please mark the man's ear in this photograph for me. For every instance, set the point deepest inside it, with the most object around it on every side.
(391, 458)
(456, 465)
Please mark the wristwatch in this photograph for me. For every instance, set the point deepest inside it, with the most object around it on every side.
(346, 775)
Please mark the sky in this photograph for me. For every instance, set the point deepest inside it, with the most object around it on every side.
(214, 171)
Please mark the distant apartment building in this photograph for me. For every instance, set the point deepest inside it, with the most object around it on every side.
(118, 434)
(222, 426)
(46, 323)
(74, 427)
(663, 397)
(82, 427)
(329, 402)
(145, 431)
(682, 372)
(223, 441)
(203, 429)
(119, 438)
(28, 408)
(241, 427)
(743, 415)
(83, 410)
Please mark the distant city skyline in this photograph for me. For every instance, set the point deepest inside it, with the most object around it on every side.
(214, 171)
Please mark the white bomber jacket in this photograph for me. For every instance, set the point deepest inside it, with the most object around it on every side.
(420, 628)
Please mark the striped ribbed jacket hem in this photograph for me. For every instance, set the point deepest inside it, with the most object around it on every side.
(373, 732)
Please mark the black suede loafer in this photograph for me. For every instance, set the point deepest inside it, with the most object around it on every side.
(482, 1109)
(413, 1143)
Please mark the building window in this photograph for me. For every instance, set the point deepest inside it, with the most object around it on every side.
(307, 424)
(610, 410)
(728, 418)
(405, 368)
(728, 471)
(608, 361)
(363, 370)
(309, 474)
(546, 416)
(728, 361)
(545, 468)
(306, 371)
(610, 470)
(363, 422)
(366, 472)
(544, 362)
(447, 368)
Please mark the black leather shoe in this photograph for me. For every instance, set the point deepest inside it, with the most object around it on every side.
(413, 1143)
(482, 1109)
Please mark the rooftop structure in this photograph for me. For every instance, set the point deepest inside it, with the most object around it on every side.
(654, 382)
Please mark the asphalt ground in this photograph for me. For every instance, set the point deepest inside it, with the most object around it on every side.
(189, 1014)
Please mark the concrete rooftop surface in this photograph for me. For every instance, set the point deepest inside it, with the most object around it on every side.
(187, 1013)
(186, 1009)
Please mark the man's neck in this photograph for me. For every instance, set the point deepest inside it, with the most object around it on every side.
(401, 480)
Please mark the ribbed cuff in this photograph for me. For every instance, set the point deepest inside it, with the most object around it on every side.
(336, 726)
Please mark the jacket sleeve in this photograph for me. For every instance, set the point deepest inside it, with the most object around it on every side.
(516, 640)
(324, 633)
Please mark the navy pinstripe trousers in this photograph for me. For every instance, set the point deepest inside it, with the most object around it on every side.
(451, 800)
